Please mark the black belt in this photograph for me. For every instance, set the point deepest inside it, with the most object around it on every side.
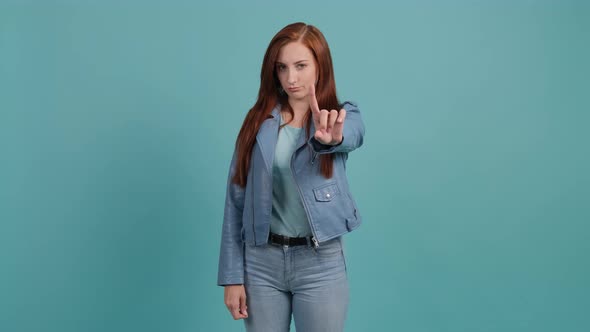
(289, 241)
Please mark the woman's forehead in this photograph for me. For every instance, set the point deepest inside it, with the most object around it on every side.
(294, 52)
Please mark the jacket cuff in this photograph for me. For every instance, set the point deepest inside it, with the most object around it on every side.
(230, 281)
(323, 148)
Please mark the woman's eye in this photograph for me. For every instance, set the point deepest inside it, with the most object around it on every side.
(281, 67)
(300, 66)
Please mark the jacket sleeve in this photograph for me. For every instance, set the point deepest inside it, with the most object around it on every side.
(231, 256)
(352, 133)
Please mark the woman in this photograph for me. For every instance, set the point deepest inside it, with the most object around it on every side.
(288, 201)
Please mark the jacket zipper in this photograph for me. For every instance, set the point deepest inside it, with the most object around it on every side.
(313, 154)
(314, 239)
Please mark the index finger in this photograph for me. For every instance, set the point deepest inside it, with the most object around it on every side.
(313, 102)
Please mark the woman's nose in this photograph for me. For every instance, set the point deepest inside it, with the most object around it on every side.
(292, 76)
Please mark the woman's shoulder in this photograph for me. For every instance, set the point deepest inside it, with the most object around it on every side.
(349, 104)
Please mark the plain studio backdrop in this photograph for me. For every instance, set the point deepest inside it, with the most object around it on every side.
(117, 124)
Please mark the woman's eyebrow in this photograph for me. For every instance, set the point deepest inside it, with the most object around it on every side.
(296, 62)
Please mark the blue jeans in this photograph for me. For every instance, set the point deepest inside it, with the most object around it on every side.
(310, 283)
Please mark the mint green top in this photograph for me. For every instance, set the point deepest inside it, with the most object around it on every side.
(288, 214)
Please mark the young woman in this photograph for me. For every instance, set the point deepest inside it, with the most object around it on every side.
(288, 201)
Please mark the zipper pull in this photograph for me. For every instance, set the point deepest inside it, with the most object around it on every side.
(314, 154)
(315, 242)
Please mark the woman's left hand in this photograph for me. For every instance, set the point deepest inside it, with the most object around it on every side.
(328, 124)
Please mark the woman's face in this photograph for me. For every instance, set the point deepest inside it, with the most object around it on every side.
(296, 70)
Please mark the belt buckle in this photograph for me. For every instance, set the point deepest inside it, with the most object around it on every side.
(286, 241)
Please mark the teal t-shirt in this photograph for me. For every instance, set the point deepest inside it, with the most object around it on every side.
(288, 214)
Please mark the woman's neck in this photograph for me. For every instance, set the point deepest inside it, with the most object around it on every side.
(300, 107)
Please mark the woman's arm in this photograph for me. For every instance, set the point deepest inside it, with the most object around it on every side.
(231, 256)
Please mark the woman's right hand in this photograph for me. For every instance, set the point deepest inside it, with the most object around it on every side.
(235, 301)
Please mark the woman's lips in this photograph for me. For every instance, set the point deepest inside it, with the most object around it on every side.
(294, 89)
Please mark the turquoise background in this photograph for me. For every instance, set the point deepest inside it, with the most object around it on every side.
(117, 123)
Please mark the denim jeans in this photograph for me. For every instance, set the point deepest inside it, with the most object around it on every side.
(309, 283)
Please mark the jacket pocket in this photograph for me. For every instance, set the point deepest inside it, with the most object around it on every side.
(326, 192)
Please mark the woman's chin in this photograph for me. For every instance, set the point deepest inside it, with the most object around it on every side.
(297, 96)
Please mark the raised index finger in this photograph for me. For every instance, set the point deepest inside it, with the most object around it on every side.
(313, 102)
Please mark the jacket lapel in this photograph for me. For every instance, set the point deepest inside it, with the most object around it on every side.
(302, 140)
(267, 137)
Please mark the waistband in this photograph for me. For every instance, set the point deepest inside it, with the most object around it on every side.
(290, 241)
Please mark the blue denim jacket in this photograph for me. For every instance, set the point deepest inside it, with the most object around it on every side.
(329, 205)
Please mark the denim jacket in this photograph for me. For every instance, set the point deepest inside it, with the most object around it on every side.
(329, 205)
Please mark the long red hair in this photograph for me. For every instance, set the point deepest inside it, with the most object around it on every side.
(269, 94)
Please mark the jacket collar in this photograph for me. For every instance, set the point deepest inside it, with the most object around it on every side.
(268, 134)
